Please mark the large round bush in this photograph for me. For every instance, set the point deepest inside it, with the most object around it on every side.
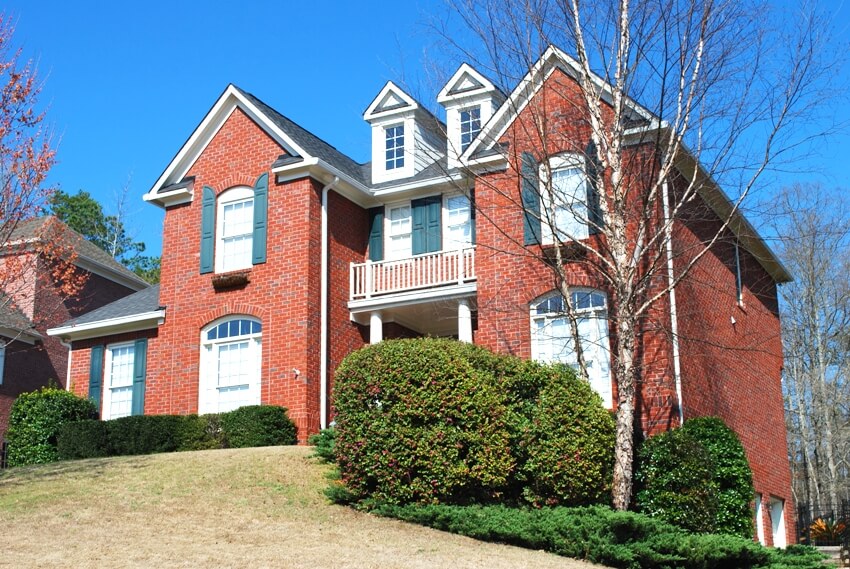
(35, 420)
(567, 439)
(698, 478)
(418, 422)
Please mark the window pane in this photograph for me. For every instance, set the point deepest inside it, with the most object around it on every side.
(568, 203)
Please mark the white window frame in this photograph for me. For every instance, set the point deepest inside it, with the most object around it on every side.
(209, 390)
(760, 519)
(446, 242)
(2, 360)
(596, 351)
(472, 132)
(776, 507)
(397, 162)
(391, 253)
(232, 196)
(108, 412)
(578, 227)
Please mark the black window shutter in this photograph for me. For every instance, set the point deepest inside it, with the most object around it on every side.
(376, 233)
(96, 375)
(207, 229)
(530, 194)
(594, 211)
(140, 357)
(261, 204)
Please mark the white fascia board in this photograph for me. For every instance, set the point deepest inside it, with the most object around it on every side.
(19, 335)
(410, 186)
(167, 199)
(206, 131)
(109, 327)
(92, 266)
(324, 173)
(412, 297)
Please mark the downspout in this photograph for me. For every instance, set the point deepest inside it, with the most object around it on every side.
(323, 311)
(674, 319)
(68, 370)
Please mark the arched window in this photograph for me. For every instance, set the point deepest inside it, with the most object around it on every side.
(231, 351)
(551, 340)
(235, 231)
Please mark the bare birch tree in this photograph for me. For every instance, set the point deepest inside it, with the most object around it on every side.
(676, 98)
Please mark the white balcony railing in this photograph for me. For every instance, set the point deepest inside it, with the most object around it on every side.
(430, 270)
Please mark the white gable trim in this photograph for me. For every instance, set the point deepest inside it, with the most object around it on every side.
(464, 71)
(553, 58)
(224, 107)
(376, 110)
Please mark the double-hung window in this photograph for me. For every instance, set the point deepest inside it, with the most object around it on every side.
(458, 216)
(235, 229)
(118, 381)
(564, 204)
(399, 232)
(231, 352)
(470, 126)
(552, 339)
(394, 147)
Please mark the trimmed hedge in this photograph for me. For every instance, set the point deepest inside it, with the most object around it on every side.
(258, 426)
(146, 434)
(434, 420)
(35, 421)
(698, 478)
(602, 535)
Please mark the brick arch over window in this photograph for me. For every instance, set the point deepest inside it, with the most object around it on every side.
(232, 309)
(234, 181)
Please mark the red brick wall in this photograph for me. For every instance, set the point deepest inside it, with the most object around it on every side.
(283, 293)
(733, 369)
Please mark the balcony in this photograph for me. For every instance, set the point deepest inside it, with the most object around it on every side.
(443, 269)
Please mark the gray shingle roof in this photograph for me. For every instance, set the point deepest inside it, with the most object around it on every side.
(12, 318)
(50, 227)
(146, 300)
(311, 143)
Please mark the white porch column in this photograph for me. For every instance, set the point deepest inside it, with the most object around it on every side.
(464, 321)
(376, 327)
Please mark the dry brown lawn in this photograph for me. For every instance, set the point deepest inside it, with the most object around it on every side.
(253, 508)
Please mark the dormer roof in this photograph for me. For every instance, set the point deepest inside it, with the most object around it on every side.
(466, 82)
(390, 101)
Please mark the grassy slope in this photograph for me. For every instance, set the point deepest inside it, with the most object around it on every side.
(224, 508)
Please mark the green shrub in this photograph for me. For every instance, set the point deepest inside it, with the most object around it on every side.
(201, 432)
(83, 439)
(144, 434)
(257, 426)
(417, 421)
(696, 477)
(323, 444)
(567, 439)
(601, 535)
(732, 474)
(35, 420)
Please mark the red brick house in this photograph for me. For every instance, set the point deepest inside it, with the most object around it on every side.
(281, 255)
(31, 302)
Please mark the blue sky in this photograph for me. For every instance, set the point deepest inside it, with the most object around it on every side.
(126, 83)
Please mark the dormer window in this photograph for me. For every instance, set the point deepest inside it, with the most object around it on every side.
(395, 146)
(470, 126)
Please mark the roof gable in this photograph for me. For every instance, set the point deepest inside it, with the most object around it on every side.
(465, 82)
(390, 100)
